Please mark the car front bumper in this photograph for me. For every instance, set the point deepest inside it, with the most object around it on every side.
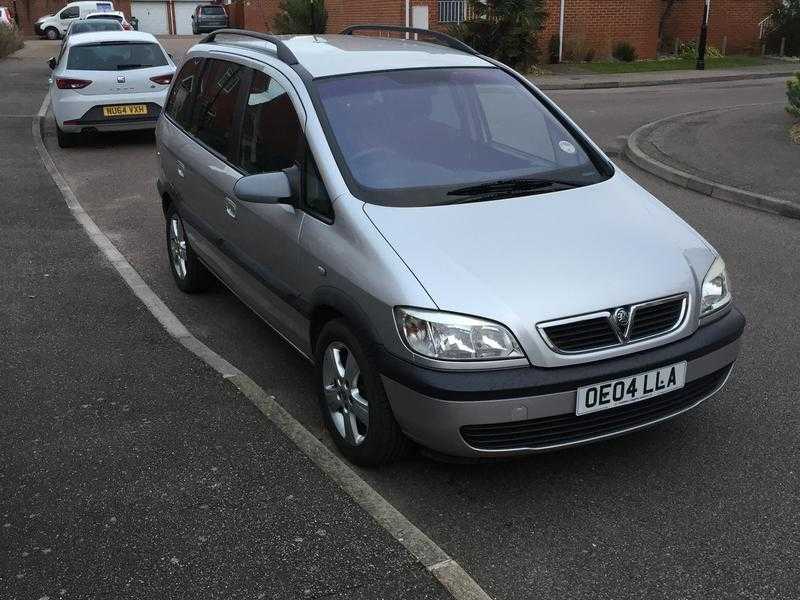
(529, 410)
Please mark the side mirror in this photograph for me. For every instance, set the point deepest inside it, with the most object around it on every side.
(52, 62)
(172, 58)
(264, 188)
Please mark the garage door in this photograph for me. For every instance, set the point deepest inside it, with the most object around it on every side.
(183, 16)
(152, 16)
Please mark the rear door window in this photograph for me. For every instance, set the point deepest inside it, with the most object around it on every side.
(115, 57)
(216, 104)
(183, 93)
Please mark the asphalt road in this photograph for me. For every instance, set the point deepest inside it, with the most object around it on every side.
(702, 507)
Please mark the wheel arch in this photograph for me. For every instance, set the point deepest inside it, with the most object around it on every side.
(330, 303)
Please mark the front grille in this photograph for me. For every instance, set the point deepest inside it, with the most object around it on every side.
(652, 319)
(589, 334)
(570, 428)
(600, 330)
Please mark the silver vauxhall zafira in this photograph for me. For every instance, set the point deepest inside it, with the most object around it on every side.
(463, 266)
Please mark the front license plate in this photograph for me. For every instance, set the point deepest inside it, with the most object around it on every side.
(126, 110)
(618, 392)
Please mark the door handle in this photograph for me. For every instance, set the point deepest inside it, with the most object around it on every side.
(180, 167)
(230, 207)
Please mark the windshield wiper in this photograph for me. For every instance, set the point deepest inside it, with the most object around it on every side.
(513, 185)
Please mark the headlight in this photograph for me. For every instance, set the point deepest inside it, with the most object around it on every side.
(448, 336)
(716, 291)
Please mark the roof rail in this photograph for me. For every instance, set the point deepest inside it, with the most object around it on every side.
(445, 39)
(283, 51)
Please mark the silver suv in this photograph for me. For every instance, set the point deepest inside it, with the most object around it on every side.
(462, 265)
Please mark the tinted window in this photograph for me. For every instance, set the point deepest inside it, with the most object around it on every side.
(437, 130)
(70, 13)
(94, 25)
(115, 17)
(316, 196)
(181, 97)
(116, 57)
(215, 107)
(213, 10)
(271, 137)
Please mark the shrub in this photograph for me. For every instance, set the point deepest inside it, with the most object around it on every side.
(301, 16)
(793, 93)
(504, 29)
(688, 51)
(786, 24)
(624, 51)
(10, 40)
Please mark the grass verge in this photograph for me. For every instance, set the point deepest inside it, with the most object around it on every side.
(669, 64)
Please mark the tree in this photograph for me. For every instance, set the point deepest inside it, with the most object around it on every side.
(662, 22)
(504, 29)
(785, 24)
(301, 16)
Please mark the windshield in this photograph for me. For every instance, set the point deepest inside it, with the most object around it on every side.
(116, 56)
(415, 137)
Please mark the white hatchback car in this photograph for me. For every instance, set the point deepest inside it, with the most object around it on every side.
(108, 81)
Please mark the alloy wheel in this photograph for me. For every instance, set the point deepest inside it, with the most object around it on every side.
(177, 246)
(342, 385)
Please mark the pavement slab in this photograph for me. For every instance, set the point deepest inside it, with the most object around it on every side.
(129, 468)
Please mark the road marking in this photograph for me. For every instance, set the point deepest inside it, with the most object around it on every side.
(447, 571)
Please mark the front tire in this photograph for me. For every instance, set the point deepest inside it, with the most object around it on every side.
(66, 140)
(190, 275)
(353, 402)
(51, 33)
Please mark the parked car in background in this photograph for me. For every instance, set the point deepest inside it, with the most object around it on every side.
(463, 266)
(6, 19)
(116, 15)
(108, 81)
(54, 26)
(209, 17)
(85, 26)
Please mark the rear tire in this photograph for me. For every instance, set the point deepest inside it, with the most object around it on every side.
(350, 389)
(66, 140)
(190, 275)
(51, 33)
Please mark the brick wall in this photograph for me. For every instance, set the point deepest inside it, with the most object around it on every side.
(735, 19)
(590, 25)
(598, 24)
(259, 14)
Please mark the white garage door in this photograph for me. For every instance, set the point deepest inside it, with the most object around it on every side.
(183, 16)
(152, 16)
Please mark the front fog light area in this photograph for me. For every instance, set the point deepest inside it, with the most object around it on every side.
(716, 292)
(448, 336)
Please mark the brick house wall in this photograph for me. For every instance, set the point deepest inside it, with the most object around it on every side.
(598, 24)
(590, 25)
(735, 19)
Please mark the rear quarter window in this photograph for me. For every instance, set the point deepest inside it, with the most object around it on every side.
(184, 92)
(115, 57)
